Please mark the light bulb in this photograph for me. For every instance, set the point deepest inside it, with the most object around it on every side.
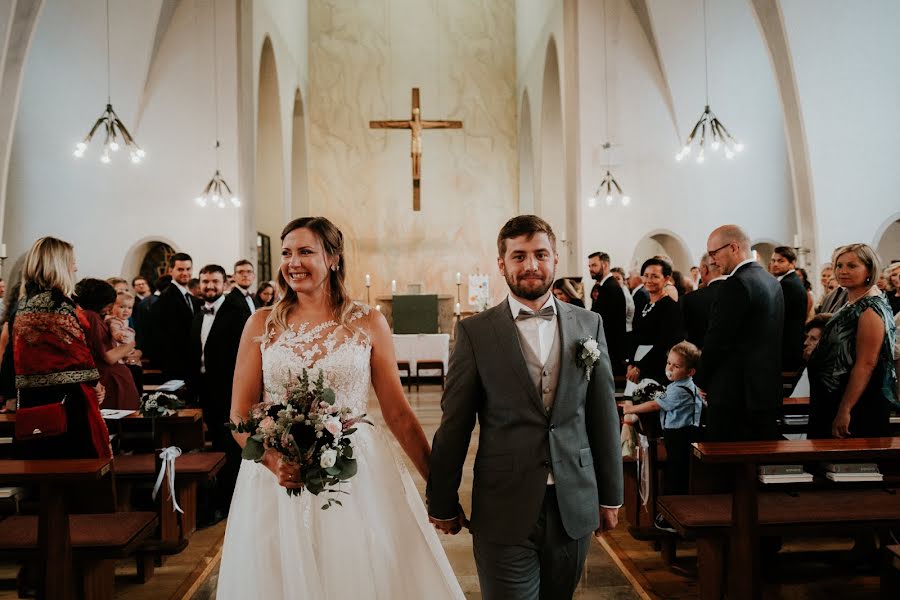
(738, 147)
(114, 146)
(78, 153)
(626, 200)
(80, 147)
(104, 158)
(700, 158)
(201, 201)
(686, 150)
(729, 154)
(592, 202)
(679, 157)
(140, 153)
(609, 199)
(135, 158)
(235, 201)
(715, 145)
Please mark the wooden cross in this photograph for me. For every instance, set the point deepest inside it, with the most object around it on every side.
(415, 124)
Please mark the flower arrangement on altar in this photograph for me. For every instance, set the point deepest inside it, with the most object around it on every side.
(309, 430)
(160, 404)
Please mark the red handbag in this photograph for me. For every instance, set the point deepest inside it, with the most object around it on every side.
(47, 420)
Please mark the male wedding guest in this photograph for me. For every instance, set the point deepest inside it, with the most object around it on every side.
(172, 317)
(851, 371)
(215, 337)
(610, 305)
(265, 294)
(657, 328)
(638, 293)
(193, 287)
(696, 306)
(144, 325)
(141, 288)
(740, 369)
(240, 294)
(618, 274)
(783, 266)
(96, 297)
(810, 301)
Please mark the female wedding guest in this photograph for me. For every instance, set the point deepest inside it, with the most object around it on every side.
(656, 328)
(852, 376)
(265, 294)
(565, 292)
(810, 301)
(618, 274)
(7, 365)
(96, 298)
(53, 362)
(893, 293)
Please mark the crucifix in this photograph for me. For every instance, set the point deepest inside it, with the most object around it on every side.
(415, 124)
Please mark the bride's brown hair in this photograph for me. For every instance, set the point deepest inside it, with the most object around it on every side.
(333, 244)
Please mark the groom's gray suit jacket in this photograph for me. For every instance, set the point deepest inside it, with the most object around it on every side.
(521, 442)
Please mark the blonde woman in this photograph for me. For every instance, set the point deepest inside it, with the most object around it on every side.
(281, 546)
(53, 362)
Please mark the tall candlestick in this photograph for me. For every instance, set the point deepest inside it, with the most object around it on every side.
(457, 310)
(393, 286)
(796, 240)
(368, 280)
(458, 278)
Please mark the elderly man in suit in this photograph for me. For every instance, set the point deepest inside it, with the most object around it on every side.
(535, 373)
(215, 337)
(171, 316)
(782, 267)
(695, 307)
(740, 369)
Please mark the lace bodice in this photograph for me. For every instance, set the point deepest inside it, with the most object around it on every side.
(342, 355)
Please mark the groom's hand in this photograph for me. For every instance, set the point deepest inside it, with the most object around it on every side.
(609, 518)
(450, 526)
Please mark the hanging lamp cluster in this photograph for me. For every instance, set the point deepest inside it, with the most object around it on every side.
(609, 189)
(712, 133)
(116, 134)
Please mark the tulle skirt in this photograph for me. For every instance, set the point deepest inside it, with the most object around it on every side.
(378, 545)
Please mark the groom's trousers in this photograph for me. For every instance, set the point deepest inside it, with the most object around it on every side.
(547, 566)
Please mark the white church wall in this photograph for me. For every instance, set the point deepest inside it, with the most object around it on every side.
(364, 59)
(847, 60)
(106, 209)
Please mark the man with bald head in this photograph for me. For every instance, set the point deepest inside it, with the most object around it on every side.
(740, 368)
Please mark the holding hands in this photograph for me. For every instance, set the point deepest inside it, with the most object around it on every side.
(451, 526)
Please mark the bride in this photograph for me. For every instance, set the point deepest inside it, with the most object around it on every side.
(379, 544)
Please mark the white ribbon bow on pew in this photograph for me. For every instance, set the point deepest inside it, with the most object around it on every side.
(168, 456)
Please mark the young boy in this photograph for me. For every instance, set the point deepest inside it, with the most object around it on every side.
(679, 414)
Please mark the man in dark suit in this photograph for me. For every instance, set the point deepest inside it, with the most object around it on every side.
(610, 305)
(548, 472)
(696, 306)
(640, 295)
(215, 337)
(172, 316)
(241, 294)
(782, 266)
(740, 368)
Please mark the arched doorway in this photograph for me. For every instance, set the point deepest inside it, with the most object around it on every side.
(149, 258)
(269, 193)
(663, 243)
(551, 204)
(764, 250)
(299, 178)
(887, 244)
(526, 158)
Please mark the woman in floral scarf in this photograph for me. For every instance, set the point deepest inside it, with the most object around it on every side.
(52, 360)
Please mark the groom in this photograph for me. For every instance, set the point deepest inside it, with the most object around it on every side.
(548, 471)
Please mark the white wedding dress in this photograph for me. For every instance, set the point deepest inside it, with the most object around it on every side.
(379, 544)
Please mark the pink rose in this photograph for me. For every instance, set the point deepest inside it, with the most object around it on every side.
(333, 426)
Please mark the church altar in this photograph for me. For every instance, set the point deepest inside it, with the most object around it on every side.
(446, 318)
(422, 346)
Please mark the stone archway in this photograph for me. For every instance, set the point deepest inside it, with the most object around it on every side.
(551, 203)
(887, 240)
(299, 176)
(666, 243)
(526, 158)
(764, 250)
(269, 185)
(148, 258)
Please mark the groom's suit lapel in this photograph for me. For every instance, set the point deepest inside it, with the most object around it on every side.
(508, 337)
(568, 371)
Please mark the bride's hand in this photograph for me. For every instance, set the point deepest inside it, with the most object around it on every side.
(288, 475)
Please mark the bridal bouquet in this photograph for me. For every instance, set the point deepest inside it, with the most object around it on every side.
(308, 430)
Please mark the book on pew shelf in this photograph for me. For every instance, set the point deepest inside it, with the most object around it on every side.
(854, 476)
(787, 478)
(10, 492)
(851, 467)
(781, 470)
(173, 385)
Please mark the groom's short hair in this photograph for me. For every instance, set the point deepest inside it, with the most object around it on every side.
(526, 225)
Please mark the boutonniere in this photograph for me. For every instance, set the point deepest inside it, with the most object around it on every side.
(588, 354)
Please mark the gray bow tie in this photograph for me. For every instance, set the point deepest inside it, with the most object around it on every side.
(547, 313)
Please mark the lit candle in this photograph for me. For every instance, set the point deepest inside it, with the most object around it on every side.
(458, 278)
(378, 307)
(458, 309)
(393, 286)
(796, 240)
(2, 250)
(368, 280)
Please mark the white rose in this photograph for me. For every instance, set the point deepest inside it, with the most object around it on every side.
(334, 427)
(591, 346)
(328, 458)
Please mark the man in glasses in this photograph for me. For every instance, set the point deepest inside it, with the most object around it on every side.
(740, 369)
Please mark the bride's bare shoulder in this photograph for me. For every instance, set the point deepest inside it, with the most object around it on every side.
(255, 327)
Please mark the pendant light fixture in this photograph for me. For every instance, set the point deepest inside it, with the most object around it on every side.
(710, 129)
(216, 192)
(609, 189)
(116, 134)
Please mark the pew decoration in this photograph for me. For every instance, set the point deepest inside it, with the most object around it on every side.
(168, 456)
(160, 404)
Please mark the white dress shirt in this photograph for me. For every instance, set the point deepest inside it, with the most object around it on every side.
(539, 333)
(739, 265)
(248, 297)
(186, 294)
(780, 277)
(206, 327)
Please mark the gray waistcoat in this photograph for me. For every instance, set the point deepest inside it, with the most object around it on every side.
(544, 376)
